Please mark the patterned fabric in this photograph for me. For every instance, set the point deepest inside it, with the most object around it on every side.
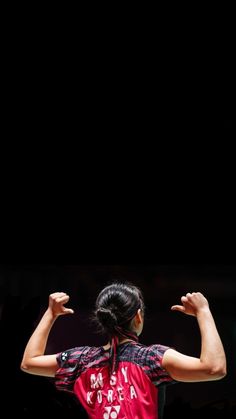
(131, 392)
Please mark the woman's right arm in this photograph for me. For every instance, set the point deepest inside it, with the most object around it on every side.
(211, 365)
(34, 361)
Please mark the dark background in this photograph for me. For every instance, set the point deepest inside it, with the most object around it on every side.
(24, 291)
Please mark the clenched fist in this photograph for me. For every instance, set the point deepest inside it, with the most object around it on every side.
(193, 303)
(56, 304)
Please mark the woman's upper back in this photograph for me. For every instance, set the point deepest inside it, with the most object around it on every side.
(130, 391)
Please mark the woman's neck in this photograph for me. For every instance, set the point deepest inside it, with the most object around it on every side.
(107, 346)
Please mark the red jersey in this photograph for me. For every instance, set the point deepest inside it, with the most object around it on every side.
(131, 392)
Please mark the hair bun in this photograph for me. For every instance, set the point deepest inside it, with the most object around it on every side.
(107, 318)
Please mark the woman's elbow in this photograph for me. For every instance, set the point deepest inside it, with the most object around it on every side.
(223, 372)
(24, 367)
(219, 372)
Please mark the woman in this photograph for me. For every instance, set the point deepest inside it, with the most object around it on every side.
(123, 378)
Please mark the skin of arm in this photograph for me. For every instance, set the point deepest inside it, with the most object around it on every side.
(210, 366)
(212, 362)
(34, 361)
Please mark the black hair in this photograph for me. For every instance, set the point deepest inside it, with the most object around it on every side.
(116, 306)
